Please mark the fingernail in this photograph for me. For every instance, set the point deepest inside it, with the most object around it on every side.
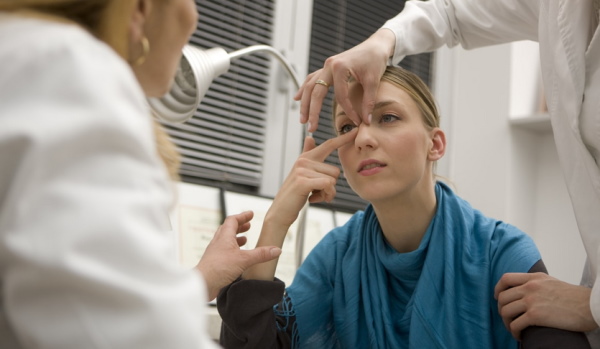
(370, 117)
(275, 252)
(308, 126)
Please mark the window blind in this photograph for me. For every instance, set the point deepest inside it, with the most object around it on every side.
(224, 141)
(338, 25)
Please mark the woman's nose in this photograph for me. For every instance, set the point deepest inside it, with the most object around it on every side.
(365, 138)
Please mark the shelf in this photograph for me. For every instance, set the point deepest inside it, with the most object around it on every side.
(538, 123)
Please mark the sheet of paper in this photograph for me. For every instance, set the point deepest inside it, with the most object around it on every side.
(197, 226)
(195, 220)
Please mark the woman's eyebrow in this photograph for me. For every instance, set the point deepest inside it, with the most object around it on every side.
(377, 106)
(383, 104)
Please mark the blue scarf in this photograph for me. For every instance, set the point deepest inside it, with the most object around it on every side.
(355, 291)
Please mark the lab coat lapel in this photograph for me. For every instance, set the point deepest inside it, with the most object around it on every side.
(574, 40)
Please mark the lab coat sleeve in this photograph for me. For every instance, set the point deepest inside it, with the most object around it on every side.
(85, 255)
(424, 26)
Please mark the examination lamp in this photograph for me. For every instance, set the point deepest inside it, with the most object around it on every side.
(197, 69)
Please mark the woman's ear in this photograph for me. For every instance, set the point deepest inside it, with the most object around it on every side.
(438, 145)
(140, 13)
(137, 22)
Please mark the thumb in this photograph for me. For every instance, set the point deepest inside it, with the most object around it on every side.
(261, 255)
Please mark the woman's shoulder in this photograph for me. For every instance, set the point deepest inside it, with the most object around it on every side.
(40, 34)
(456, 211)
(59, 63)
(31, 42)
(66, 87)
(507, 247)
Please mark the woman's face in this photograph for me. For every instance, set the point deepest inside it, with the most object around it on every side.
(391, 155)
(168, 28)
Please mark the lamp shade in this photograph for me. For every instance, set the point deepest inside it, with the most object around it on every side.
(197, 69)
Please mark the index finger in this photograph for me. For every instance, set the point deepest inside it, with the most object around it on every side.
(340, 90)
(304, 96)
(321, 152)
(234, 222)
(509, 280)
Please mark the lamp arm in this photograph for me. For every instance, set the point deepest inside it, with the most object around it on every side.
(268, 49)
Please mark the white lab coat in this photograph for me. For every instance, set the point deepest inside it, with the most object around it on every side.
(570, 57)
(85, 257)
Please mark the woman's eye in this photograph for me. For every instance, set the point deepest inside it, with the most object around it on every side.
(389, 118)
(345, 129)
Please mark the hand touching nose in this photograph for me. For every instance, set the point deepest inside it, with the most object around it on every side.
(310, 178)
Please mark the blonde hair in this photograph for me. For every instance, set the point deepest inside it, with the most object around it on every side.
(107, 20)
(418, 91)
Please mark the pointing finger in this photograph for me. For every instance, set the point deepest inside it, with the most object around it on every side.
(321, 152)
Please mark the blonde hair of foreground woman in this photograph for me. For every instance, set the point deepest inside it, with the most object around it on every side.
(107, 20)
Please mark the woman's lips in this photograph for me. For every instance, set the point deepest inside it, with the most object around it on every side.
(370, 167)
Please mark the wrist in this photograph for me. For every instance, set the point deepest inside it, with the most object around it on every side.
(385, 39)
(278, 221)
(211, 291)
(273, 232)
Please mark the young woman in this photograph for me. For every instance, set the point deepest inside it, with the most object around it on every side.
(568, 34)
(416, 269)
(85, 257)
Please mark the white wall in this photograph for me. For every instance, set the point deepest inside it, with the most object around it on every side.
(554, 221)
(510, 172)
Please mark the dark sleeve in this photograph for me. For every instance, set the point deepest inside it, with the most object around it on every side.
(246, 308)
(536, 337)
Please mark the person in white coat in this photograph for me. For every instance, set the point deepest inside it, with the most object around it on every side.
(86, 257)
(568, 35)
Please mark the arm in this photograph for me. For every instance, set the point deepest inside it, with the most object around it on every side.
(526, 295)
(310, 179)
(537, 299)
(246, 306)
(538, 337)
(422, 26)
(253, 324)
(223, 261)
